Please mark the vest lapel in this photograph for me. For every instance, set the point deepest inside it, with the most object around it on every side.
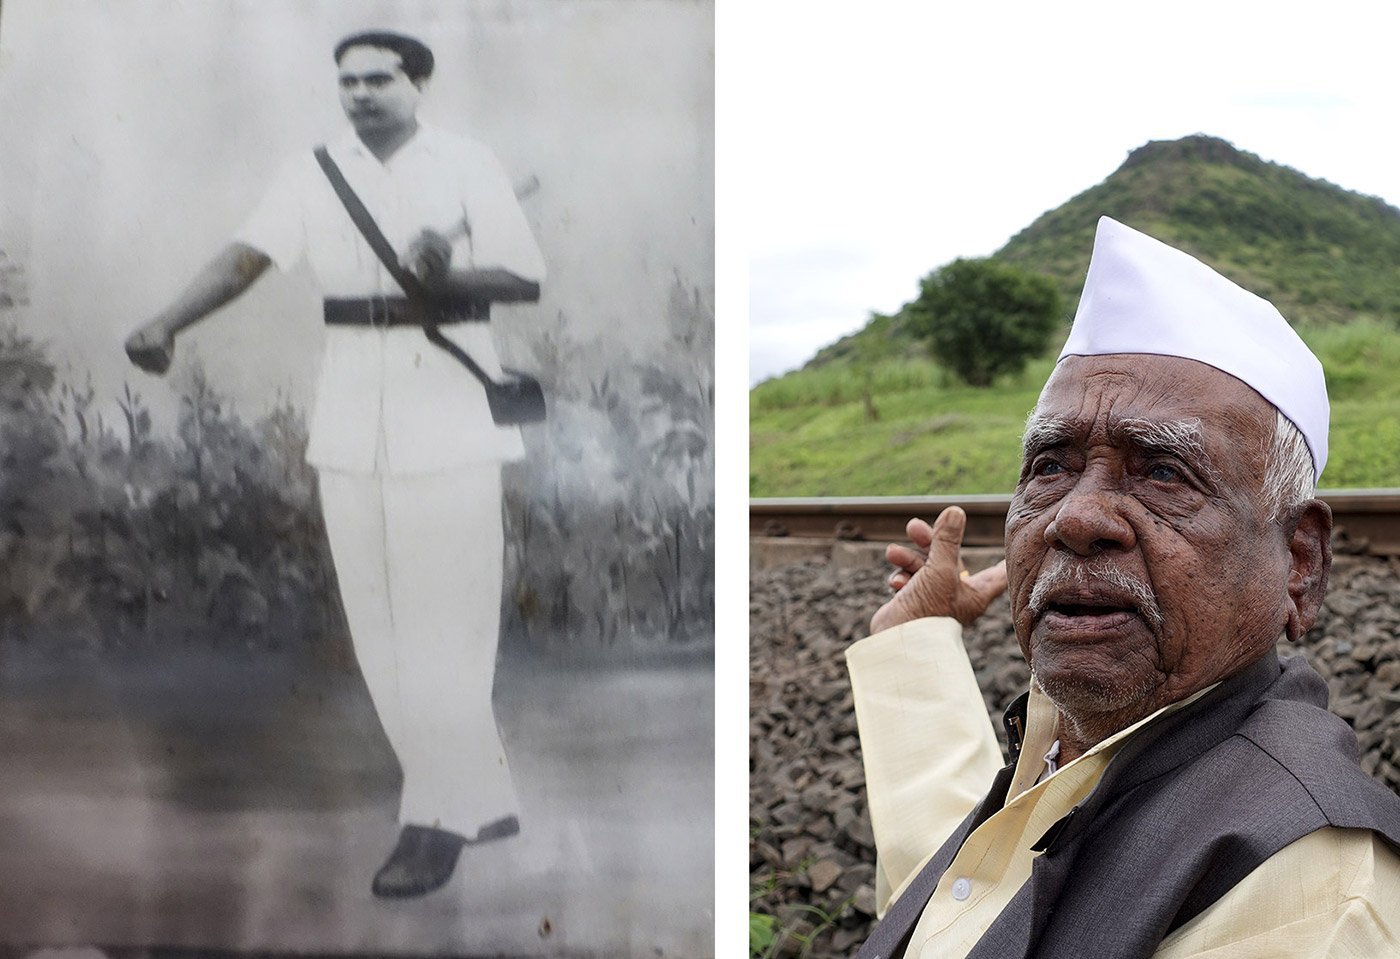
(1151, 752)
(891, 936)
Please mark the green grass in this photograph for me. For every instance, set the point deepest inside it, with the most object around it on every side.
(809, 433)
(838, 384)
(1361, 361)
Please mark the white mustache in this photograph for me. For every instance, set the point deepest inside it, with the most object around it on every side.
(1061, 572)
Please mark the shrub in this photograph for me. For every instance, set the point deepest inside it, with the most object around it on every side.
(983, 318)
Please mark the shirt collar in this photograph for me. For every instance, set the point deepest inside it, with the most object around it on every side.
(1042, 723)
(349, 143)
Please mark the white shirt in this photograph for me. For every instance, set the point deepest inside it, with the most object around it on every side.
(388, 401)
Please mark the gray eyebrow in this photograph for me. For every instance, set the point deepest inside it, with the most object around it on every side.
(1181, 438)
(1044, 430)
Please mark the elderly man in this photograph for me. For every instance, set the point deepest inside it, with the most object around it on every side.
(407, 454)
(1174, 788)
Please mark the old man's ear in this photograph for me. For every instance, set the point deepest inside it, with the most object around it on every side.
(1310, 560)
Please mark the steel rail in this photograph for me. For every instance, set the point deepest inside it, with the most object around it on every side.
(1369, 516)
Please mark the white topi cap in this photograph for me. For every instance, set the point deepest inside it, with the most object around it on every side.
(1142, 296)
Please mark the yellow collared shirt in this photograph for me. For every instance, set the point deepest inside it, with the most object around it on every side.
(930, 753)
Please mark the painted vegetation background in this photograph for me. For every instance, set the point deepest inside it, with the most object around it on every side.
(113, 537)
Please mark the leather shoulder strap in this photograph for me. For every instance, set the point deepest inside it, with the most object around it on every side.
(364, 222)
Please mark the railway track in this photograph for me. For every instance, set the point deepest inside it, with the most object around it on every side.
(1370, 517)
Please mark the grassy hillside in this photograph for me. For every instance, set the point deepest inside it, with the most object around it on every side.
(871, 415)
(811, 433)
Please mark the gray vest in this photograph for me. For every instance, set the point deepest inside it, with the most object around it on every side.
(1188, 807)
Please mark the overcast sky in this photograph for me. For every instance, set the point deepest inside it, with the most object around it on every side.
(885, 139)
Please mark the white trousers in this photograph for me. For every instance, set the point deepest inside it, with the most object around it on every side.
(419, 562)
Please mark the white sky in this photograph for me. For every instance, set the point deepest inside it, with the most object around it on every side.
(885, 139)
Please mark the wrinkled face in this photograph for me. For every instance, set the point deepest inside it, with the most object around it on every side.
(375, 92)
(1142, 565)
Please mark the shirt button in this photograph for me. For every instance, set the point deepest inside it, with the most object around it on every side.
(962, 888)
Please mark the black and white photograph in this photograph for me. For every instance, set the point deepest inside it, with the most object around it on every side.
(357, 551)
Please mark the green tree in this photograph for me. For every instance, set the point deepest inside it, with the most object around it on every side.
(982, 318)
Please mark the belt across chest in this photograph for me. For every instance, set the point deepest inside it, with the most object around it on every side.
(399, 311)
(513, 401)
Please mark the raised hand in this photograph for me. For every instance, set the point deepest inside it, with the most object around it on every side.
(936, 583)
(429, 257)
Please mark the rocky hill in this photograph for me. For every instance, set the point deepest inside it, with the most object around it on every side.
(1322, 254)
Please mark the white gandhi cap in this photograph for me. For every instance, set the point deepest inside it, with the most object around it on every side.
(1142, 296)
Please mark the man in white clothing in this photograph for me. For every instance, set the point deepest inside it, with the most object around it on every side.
(406, 450)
